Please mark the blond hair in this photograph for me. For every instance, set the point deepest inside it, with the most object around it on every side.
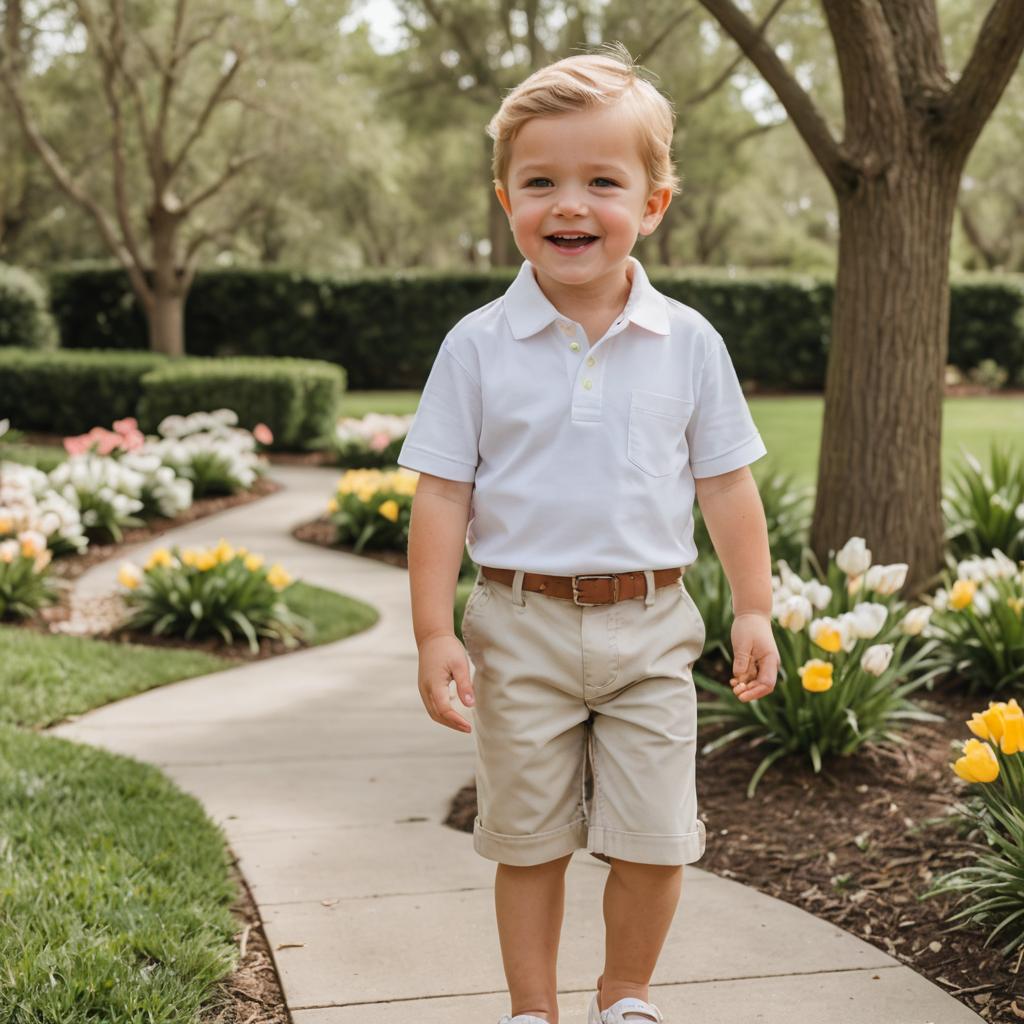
(583, 82)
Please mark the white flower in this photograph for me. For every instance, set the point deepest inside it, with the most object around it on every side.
(817, 593)
(915, 620)
(1019, 513)
(981, 603)
(854, 557)
(9, 550)
(886, 579)
(867, 619)
(794, 613)
(876, 659)
(790, 581)
(940, 599)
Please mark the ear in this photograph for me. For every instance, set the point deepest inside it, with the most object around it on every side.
(503, 198)
(655, 209)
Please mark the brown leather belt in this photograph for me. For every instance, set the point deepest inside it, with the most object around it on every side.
(589, 589)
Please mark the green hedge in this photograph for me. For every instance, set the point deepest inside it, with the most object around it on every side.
(385, 327)
(71, 392)
(298, 399)
(25, 318)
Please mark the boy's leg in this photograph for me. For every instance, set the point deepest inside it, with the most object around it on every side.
(529, 902)
(640, 902)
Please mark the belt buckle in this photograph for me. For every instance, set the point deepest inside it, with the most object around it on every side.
(599, 576)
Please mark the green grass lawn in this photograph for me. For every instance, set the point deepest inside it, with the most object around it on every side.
(115, 886)
(791, 426)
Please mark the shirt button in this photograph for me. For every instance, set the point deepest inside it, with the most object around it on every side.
(575, 346)
(588, 383)
(590, 360)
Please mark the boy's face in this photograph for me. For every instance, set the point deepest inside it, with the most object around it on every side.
(580, 173)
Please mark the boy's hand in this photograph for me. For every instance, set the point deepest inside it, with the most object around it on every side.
(442, 657)
(755, 662)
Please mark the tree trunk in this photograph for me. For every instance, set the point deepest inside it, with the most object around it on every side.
(890, 324)
(167, 324)
(166, 309)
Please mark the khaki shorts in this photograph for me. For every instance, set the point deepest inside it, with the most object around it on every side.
(561, 689)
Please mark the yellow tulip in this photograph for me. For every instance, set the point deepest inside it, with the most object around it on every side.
(6, 525)
(206, 560)
(827, 637)
(159, 557)
(278, 578)
(978, 764)
(1012, 740)
(332, 505)
(129, 576)
(253, 562)
(223, 552)
(1016, 603)
(962, 594)
(42, 560)
(979, 726)
(189, 556)
(816, 675)
(389, 510)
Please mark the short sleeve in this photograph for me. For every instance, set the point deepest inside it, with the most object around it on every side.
(444, 436)
(721, 433)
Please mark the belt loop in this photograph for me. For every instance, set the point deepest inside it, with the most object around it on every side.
(517, 588)
(650, 595)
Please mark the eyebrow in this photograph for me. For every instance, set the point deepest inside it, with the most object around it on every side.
(594, 166)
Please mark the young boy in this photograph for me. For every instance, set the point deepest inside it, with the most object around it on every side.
(569, 424)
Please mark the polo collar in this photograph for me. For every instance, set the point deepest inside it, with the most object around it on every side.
(528, 310)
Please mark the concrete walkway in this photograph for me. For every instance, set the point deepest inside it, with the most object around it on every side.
(331, 783)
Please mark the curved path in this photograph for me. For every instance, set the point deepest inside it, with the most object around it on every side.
(332, 784)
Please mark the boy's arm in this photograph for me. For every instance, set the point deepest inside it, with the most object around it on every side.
(735, 519)
(437, 541)
(732, 510)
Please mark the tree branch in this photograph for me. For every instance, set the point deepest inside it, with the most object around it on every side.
(670, 27)
(801, 108)
(197, 129)
(720, 80)
(234, 167)
(874, 111)
(996, 54)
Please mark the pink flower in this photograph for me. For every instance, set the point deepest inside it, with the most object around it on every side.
(127, 425)
(132, 440)
(380, 441)
(263, 433)
(77, 445)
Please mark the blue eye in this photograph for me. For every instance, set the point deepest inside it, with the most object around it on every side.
(533, 181)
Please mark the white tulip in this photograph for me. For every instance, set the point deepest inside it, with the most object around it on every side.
(1019, 513)
(867, 619)
(915, 620)
(794, 613)
(981, 603)
(876, 659)
(9, 550)
(817, 593)
(886, 579)
(854, 557)
(829, 624)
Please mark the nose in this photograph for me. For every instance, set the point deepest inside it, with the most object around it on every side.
(570, 201)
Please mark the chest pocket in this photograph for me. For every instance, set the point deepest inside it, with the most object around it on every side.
(656, 442)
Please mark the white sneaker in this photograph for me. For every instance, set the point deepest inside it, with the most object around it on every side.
(627, 1010)
(522, 1018)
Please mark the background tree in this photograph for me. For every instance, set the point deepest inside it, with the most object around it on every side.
(162, 103)
(909, 127)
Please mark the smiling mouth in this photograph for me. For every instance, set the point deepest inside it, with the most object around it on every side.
(571, 241)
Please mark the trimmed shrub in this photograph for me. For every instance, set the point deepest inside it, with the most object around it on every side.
(70, 392)
(298, 399)
(25, 317)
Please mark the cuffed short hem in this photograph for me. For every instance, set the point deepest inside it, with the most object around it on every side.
(525, 851)
(648, 849)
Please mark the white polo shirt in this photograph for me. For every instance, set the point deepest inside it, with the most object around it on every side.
(583, 457)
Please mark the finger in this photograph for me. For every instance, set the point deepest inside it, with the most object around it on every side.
(740, 662)
(446, 714)
(463, 686)
(769, 670)
(754, 692)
